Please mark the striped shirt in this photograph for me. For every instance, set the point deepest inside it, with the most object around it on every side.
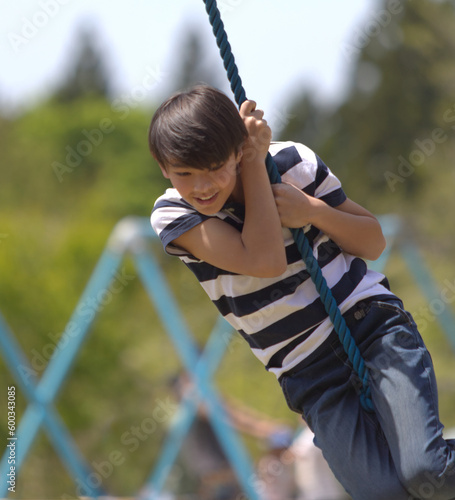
(282, 318)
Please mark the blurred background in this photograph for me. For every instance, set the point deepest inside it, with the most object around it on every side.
(370, 86)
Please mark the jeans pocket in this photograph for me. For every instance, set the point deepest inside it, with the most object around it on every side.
(391, 325)
(394, 307)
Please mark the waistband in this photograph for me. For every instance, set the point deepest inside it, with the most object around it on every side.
(354, 314)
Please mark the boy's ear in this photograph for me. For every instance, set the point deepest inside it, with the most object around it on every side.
(164, 172)
(239, 154)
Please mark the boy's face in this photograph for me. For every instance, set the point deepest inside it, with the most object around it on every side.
(208, 189)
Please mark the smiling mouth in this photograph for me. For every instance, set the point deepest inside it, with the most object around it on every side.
(205, 200)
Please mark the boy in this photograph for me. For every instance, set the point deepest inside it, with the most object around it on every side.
(226, 222)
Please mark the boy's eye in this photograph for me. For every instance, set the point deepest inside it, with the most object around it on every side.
(216, 167)
(183, 174)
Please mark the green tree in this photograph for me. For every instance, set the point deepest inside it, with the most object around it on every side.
(380, 139)
(196, 63)
(88, 74)
(75, 169)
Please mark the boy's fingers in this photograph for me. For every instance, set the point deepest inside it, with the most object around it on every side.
(247, 108)
(259, 114)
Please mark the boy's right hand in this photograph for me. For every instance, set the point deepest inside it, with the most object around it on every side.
(259, 133)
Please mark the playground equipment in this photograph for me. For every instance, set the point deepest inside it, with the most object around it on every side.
(133, 235)
(130, 235)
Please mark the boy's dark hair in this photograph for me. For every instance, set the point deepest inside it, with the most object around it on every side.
(198, 127)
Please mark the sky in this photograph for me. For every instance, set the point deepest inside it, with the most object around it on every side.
(281, 46)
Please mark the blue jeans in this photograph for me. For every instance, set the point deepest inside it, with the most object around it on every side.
(398, 452)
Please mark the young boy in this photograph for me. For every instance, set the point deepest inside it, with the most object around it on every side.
(226, 222)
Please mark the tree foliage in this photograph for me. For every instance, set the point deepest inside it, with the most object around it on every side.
(395, 126)
(73, 169)
(197, 63)
(76, 164)
(87, 74)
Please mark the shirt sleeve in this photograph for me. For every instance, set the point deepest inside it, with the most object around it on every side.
(300, 166)
(327, 185)
(171, 217)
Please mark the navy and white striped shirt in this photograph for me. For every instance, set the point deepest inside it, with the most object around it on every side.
(282, 318)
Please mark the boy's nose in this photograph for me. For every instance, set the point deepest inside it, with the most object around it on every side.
(202, 183)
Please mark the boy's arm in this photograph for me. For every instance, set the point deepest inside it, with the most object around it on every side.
(259, 249)
(349, 225)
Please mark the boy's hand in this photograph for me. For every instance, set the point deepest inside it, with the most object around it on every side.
(259, 133)
(295, 208)
(349, 225)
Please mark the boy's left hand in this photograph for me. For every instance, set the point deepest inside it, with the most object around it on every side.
(257, 144)
(295, 207)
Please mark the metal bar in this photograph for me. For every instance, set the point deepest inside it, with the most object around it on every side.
(206, 367)
(431, 291)
(229, 440)
(21, 371)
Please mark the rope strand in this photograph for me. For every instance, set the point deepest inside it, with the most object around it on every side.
(302, 243)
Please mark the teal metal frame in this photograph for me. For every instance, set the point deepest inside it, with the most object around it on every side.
(392, 227)
(132, 235)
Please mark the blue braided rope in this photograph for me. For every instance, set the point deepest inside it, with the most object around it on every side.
(302, 243)
(225, 51)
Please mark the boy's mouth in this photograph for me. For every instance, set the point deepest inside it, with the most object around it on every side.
(206, 200)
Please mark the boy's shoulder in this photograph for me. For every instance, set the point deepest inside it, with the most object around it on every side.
(171, 197)
(296, 163)
(170, 206)
(171, 217)
(292, 152)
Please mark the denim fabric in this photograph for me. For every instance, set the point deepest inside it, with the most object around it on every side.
(398, 452)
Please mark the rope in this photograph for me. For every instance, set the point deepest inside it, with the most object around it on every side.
(302, 243)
